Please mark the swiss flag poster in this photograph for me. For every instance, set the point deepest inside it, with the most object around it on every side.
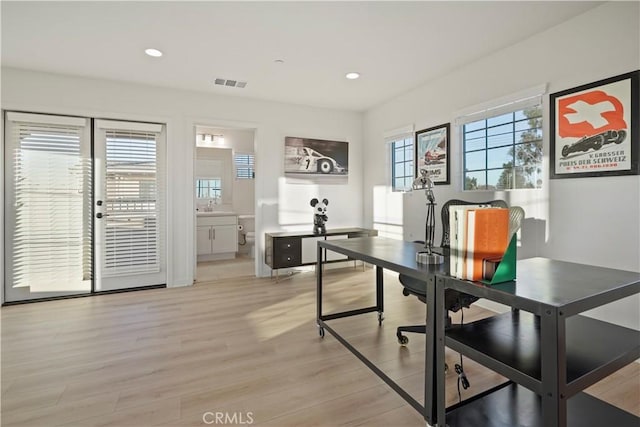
(593, 128)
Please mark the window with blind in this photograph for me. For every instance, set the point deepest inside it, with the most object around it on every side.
(48, 242)
(244, 164)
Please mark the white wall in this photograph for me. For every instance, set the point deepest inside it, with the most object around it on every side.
(182, 111)
(586, 220)
(243, 189)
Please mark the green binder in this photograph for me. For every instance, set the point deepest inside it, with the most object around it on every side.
(506, 270)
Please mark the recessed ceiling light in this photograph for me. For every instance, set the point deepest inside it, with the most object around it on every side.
(352, 76)
(153, 52)
(279, 61)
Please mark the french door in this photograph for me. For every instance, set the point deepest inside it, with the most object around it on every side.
(83, 205)
(128, 204)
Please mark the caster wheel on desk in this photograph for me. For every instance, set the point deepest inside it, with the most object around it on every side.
(380, 318)
(446, 368)
(403, 340)
(321, 331)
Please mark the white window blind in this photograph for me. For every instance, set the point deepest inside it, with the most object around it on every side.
(133, 182)
(402, 132)
(518, 101)
(244, 166)
(48, 201)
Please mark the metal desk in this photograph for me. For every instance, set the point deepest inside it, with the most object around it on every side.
(546, 349)
(397, 256)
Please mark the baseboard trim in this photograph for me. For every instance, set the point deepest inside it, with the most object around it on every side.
(92, 294)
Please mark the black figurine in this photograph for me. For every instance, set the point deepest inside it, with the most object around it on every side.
(320, 215)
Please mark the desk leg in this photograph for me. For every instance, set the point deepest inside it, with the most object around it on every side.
(380, 294)
(554, 369)
(319, 292)
(435, 379)
(434, 363)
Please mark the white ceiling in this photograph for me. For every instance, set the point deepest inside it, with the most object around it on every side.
(396, 46)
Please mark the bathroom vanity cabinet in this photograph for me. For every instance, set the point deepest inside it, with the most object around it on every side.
(217, 236)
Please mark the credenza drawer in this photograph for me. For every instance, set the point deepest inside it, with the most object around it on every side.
(286, 245)
(288, 259)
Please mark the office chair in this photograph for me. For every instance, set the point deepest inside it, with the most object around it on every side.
(453, 300)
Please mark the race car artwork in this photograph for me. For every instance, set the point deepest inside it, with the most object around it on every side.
(308, 160)
(434, 154)
(595, 142)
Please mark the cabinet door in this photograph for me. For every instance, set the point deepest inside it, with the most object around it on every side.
(203, 237)
(225, 239)
(310, 249)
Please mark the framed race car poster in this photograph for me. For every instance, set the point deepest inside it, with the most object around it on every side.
(316, 160)
(432, 153)
(595, 130)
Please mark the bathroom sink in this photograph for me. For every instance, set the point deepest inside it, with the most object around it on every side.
(214, 213)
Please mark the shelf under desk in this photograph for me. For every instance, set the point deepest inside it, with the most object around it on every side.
(546, 347)
(509, 344)
(512, 405)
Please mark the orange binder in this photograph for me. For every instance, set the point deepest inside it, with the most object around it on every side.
(487, 237)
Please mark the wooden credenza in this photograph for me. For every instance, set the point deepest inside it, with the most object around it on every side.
(295, 249)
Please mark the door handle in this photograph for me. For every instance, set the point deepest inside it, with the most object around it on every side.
(214, 234)
(209, 234)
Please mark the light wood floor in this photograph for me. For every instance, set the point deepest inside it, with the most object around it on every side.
(246, 346)
(241, 266)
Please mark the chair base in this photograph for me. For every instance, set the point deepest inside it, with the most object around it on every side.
(417, 329)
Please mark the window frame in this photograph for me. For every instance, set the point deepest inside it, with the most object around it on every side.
(514, 134)
(510, 104)
(409, 161)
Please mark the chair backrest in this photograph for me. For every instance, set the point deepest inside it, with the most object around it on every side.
(444, 213)
(516, 215)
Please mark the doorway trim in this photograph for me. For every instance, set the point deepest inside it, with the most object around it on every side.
(192, 123)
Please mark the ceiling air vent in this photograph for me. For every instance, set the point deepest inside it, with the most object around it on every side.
(230, 83)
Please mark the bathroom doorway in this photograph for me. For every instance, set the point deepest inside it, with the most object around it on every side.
(224, 202)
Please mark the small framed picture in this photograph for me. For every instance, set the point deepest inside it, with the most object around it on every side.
(432, 153)
(594, 128)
